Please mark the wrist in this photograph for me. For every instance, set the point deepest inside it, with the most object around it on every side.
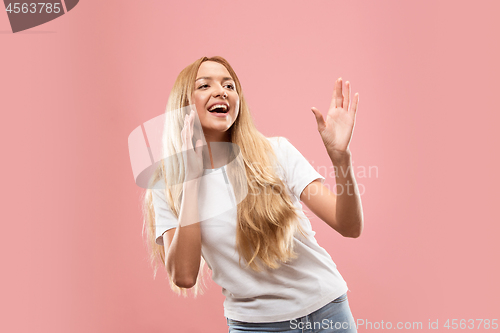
(191, 184)
(340, 158)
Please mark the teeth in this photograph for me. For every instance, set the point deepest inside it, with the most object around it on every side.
(218, 106)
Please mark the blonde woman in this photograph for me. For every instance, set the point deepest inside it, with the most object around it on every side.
(230, 197)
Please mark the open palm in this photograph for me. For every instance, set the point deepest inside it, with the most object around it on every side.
(336, 131)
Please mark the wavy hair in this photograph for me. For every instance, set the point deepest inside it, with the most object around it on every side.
(266, 224)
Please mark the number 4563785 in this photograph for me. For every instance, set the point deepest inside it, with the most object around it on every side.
(471, 324)
(33, 7)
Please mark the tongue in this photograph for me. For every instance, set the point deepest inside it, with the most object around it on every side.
(218, 110)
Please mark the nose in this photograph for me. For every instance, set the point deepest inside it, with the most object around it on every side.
(220, 92)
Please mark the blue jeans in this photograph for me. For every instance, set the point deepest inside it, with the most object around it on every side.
(334, 317)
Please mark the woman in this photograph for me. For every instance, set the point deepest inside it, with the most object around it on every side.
(246, 191)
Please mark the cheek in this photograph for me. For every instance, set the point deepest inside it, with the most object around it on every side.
(201, 115)
(199, 102)
(236, 102)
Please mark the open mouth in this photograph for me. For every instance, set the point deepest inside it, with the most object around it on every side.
(219, 108)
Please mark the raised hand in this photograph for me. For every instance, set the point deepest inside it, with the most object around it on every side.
(193, 159)
(336, 131)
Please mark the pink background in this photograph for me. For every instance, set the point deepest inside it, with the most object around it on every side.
(74, 88)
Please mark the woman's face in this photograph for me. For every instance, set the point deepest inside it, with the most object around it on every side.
(215, 86)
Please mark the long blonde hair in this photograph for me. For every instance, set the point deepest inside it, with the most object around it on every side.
(266, 223)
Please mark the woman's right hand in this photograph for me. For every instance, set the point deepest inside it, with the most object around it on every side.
(193, 158)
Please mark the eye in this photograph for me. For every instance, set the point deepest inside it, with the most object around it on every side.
(203, 85)
(231, 86)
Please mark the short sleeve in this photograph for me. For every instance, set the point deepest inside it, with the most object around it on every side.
(298, 171)
(165, 219)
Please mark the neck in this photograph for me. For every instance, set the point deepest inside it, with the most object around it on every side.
(218, 137)
(219, 152)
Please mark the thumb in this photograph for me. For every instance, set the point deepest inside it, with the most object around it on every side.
(319, 118)
(199, 147)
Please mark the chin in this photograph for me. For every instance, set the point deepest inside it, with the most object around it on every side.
(222, 129)
(221, 125)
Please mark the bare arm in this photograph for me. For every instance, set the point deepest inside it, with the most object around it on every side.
(343, 212)
(183, 244)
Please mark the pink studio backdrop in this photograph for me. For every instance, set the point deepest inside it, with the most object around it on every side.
(74, 88)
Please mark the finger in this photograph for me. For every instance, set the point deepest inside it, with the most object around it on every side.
(319, 119)
(189, 134)
(183, 134)
(338, 93)
(184, 125)
(191, 124)
(347, 96)
(184, 131)
(183, 140)
(191, 121)
(199, 145)
(354, 105)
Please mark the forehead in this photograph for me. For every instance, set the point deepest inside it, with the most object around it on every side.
(213, 69)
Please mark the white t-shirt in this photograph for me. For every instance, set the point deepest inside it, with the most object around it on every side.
(296, 288)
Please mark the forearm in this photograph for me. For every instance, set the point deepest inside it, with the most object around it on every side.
(349, 212)
(184, 254)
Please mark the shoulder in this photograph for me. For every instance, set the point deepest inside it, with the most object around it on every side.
(276, 139)
(283, 147)
(158, 193)
(279, 142)
(285, 152)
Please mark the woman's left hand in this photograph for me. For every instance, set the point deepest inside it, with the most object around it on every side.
(336, 131)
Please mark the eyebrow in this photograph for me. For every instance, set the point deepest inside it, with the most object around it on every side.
(210, 78)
